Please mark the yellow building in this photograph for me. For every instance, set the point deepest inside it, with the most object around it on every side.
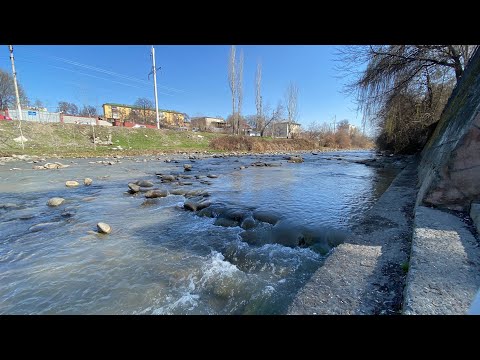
(125, 115)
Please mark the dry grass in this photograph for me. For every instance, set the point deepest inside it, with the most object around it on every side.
(255, 144)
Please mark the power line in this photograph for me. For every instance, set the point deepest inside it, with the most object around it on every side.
(96, 77)
(105, 71)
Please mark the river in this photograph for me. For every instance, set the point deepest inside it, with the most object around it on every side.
(162, 259)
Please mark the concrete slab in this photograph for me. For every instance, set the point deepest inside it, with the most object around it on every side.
(444, 273)
(365, 275)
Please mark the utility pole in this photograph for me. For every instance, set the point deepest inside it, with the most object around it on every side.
(154, 70)
(19, 108)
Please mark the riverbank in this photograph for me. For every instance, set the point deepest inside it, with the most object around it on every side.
(400, 259)
(76, 141)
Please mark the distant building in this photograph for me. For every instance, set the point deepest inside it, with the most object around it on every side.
(129, 115)
(205, 123)
(351, 129)
(284, 129)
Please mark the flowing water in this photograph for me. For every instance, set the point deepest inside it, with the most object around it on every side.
(160, 258)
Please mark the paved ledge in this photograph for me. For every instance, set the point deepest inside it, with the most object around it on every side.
(444, 273)
(364, 275)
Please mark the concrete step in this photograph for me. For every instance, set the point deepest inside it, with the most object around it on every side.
(338, 286)
(364, 275)
(444, 271)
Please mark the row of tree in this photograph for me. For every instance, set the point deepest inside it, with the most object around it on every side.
(69, 108)
(266, 115)
(342, 136)
(403, 89)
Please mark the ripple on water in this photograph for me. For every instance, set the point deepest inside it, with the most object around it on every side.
(161, 259)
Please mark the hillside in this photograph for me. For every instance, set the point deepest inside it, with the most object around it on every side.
(44, 139)
(77, 140)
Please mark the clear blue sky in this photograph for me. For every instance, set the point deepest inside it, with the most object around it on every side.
(193, 79)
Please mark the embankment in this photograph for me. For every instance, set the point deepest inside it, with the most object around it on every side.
(70, 140)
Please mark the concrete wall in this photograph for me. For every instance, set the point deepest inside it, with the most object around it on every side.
(35, 115)
(449, 172)
(82, 120)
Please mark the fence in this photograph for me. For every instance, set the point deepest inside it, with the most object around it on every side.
(35, 115)
(51, 117)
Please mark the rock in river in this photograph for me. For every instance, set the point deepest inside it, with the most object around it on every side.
(55, 201)
(104, 228)
(156, 193)
(134, 188)
(187, 167)
(178, 192)
(71, 183)
(166, 178)
(295, 159)
(144, 183)
(195, 205)
(266, 216)
(212, 176)
(248, 223)
(87, 181)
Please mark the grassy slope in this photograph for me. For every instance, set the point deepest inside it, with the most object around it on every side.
(76, 140)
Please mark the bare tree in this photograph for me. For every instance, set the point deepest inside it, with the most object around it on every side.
(403, 88)
(38, 104)
(232, 82)
(239, 90)
(88, 110)
(291, 101)
(7, 92)
(67, 108)
(271, 117)
(258, 97)
(251, 120)
(145, 104)
(391, 69)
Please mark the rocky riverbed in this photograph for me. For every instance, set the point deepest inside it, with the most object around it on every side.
(187, 233)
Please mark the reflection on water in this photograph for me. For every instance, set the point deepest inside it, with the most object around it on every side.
(161, 259)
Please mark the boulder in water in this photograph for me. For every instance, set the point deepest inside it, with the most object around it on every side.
(270, 217)
(156, 193)
(134, 188)
(104, 228)
(144, 183)
(56, 201)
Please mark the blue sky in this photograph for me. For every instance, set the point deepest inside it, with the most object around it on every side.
(193, 78)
